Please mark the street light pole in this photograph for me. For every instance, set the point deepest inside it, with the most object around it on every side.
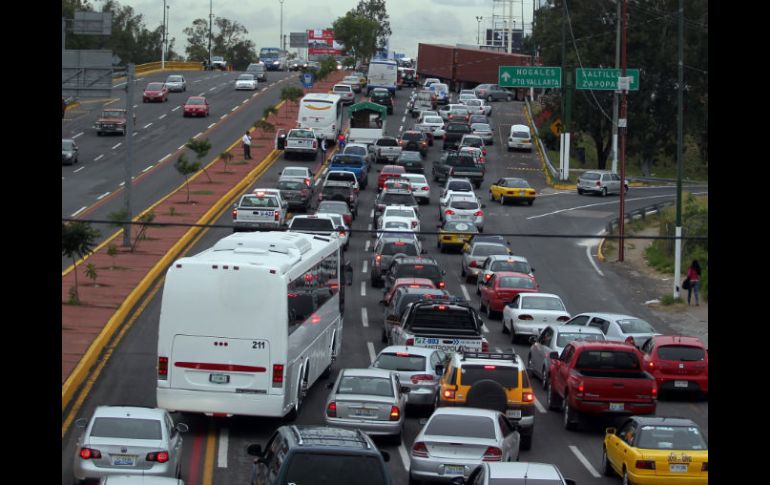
(623, 126)
(163, 39)
(679, 121)
(168, 20)
(280, 38)
(211, 16)
(478, 29)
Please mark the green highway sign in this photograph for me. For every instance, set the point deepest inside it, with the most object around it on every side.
(528, 77)
(604, 79)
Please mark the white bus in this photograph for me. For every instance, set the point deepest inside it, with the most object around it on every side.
(382, 74)
(323, 113)
(248, 325)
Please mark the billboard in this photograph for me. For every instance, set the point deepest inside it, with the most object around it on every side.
(320, 42)
(499, 38)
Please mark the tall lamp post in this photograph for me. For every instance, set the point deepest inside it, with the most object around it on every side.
(163, 39)
(478, 29)
(211, 17)
(280, 39)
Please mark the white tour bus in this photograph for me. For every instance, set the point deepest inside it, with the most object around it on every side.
(382, 74)
(248, 325)
(323, 113)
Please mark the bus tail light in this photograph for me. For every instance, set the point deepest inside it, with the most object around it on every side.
(89, 453)
(331, 410)
(162, 368)
(277, 375)
(395, 413)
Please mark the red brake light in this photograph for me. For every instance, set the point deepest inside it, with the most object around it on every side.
(159, 456)
(409, 341)
(581, 387)
(399, 243)
(420, 450)
(490, 367)
(484, 345)
(424, 187)
(655, 392)
(441, 285)
(651, 365)
(645, 464)
(163, 368)
(277, 375)
(489, 277)
(89, 453)
(525, 317)
(449, 393)
(478, 213)
(395, 414)
(493, 453)
(235, 213)
(439, 307)
(484, 151)
(421, 377)
(277, 215)
(528, 397)
(449, 212)
(473, 264)
(342, 232)
(307, 182)
(378, 258)
(403, 354)
(331, 410)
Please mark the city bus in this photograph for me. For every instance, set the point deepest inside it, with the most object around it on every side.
(271, 58)
(248, 325)
(323, 113)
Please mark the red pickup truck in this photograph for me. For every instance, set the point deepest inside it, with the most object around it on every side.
(599, 377)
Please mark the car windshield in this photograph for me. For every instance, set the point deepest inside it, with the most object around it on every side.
(460, 227)
(514, 266)
(311, 224)
(607, 359)
(194, 101)
(355, 151)
(460, 186)
(434, 120)
(480, 127)
(506, 376)
(473, 142)
(590, 176)
(294, 172)
(321, 468)
(127, 428)
(376, 386)
(399, 213)
(67, 144)
(489, 250)
(342, 89)
(396, 225)
(428, 271)
(566, 337)
(352, 160)
(302, 134)
(246, 77)
(154, 86)
(520, 134)
(387, 142)
(542, 303)
(174, 79)
(515, 282)
(464, 204)
(217, 58)
(635, 325)
(671, 438)
(257, 201)
(401, 247)
(291, 185)
(516, 183)
(462, 426)
(681, 353)
(398, 199)
(113, 114)
(410, 156)
(417, 179)
(333, 207)
(411, 136)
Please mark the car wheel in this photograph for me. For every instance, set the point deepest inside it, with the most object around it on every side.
(489, 311)
(580, 191)
(414, 481)
(478, 290)
(626, 480)
(384, 337)
(531, 201)
(482, 307)
(553, 401)
(529, 363)
(571, 417)
(606, 467)
(545, 377)
(604, 192)
(513, 334)
(462, 270)
(626, 191)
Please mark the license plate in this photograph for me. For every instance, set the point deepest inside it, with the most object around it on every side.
(678, 468)
(123, 460)
(454, 470)
(363, 413)
(616, 406)
(513, 413)
(219, 378)
(680, 383)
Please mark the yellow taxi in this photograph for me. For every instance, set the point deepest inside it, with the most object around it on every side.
(455, 234)
(361, 77)
(651, 450)
(492, 381)
(512, 188)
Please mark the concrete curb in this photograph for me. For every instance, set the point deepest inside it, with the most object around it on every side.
(600, 251)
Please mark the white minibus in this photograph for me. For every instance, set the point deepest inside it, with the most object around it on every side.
(323, 113)
(382, 74)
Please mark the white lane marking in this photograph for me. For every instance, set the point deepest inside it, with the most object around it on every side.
(401, 128)
(103, 196)
(498, 350)
(212, 124)
(199, 134)
(199, 80)
(465, 292)
(371, 214)
(147, 126)
(233, 109)
(146, 169)
(540, 406)
(364, 317)
(98, 158)
(222, 449)
(365, 266)
(134, 133)
(485, 328)
(212, 89)
(118, 85)
(181, 147)
(584, 461)
(161, 160)
(77, 135)
(176, 108)
(162, 116)
(201, 94)
(78, 211)
(254, 95)
(136, 105)
(404, 456)
(372, 353)
(116, 146)
(244, 101)
(613, 202)
(403, 120)
(369, 228)
(223, 116)
(591, 259)
(78, 170)
(121, 184)
(264, 89)
(366, 246)
(363, 288)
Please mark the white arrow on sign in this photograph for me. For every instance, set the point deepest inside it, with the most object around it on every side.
(506, 76)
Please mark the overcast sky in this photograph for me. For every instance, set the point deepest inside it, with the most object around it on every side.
(428, 21)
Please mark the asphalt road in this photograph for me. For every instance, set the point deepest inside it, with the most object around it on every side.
(563, 266)
(92, 188)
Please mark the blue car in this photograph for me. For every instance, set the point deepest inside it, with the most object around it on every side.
(352, 163)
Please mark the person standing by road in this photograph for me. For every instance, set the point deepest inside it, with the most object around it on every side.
(247, 146)
(693, 274)
(323, 150)
(341, 141)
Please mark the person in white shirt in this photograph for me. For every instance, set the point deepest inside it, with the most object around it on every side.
(247, 146)
(323, 150)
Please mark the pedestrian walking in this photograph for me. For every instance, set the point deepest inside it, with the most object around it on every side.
(693, 274)
(341, 141)
(323, 150)
(247, 146)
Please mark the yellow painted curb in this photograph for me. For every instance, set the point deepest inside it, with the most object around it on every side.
(72, 106)
(600, 250)
(79, 374)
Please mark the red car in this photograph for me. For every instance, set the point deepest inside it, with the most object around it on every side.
(677, 363)
(503, 287)
(410, 282)
(387, 172)
(195, 106)
(155, 92)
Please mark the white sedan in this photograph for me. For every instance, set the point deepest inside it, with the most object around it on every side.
(529, 313)
(246, 81)
(431, 125)
(554, 338)
(616, 327)
(420, 186)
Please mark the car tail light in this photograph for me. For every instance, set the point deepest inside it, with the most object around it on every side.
(581, 387)
(562, 318)
(307, 182)
(490, 367)
(651, 366)
(420, 450)
(277, 375)
(645, 464)
(320, 196)
(488, 277)
(473, 264)
(303, 191)
(414, 224)
(704, 467)
(424, 187)
(235, 213)
(484, 345)
(163, 368)
(484, 151)
(395, 414)
(378, 258)
(528, 397)
(493, 453)
(90, 453)
(409, 341)
(449, 212)
(444, 136)
(654, 392)
(525, 317)
(342, 232)
(421, 377)
(441, 285)
(449, 393)
(277, 216)
(331, 410)
(158, 456)
(315, 144)
(598, 183)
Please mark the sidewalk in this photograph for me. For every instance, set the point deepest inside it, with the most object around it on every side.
(97, 324)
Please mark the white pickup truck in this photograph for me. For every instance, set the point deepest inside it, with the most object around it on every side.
(386, 149)
(300, 141)
(365, 136)
(258, 210)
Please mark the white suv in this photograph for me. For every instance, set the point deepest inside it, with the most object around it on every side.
(520, 137)
(345, 91)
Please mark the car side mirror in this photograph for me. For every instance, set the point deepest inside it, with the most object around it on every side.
(532, 339)
(254, 450)
(532, 269)
(554, 355)
(182, 427)
(382, 302)
(404, 390)
(385, 456)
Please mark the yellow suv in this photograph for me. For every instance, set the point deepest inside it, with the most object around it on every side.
(493, 381)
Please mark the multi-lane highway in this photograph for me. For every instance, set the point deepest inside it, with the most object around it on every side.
(215, 449)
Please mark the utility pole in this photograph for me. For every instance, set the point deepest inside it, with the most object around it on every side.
(280, 38)
(129, 154)
(623, 126)
(478, 29)
(168, 20)
(510, 27)
(564, 139)
(211, 17)
(615, 100)
(163, 39)
(679, 122)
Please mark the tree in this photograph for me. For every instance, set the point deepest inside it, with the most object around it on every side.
(201, 148)
(197, 40)
(375, 10)
(227, 40)
(78, 239)
(292, 94)
(358, 33)
(186, 168)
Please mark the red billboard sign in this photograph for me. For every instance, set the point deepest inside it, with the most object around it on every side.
(321, 42)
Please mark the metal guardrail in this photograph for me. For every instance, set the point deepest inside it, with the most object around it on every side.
(662, 180)
(638, 213)
(554, 172)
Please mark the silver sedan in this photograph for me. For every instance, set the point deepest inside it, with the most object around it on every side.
(617, 327)
(554, 338)
(475, 256)
(371, 400)
(485, 131)
(455, 440)
(418, 368)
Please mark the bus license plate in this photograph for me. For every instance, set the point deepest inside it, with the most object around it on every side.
(125, 460)
(616, 406)
(678, 468)
(219, 378)
(680, 384)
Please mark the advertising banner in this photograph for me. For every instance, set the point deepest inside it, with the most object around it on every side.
(320, 42)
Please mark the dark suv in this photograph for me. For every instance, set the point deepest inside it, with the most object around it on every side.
(397, 306)
(341, 191)
(296, 193)
(319, 455)
(385, 249)
(382, 97)
(415, 267)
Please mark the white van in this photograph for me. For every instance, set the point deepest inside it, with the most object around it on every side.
(346, 93)
(322, 113)
(382, 74)
(520, 138)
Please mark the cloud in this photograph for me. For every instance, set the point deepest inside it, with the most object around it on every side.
(463, 3)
